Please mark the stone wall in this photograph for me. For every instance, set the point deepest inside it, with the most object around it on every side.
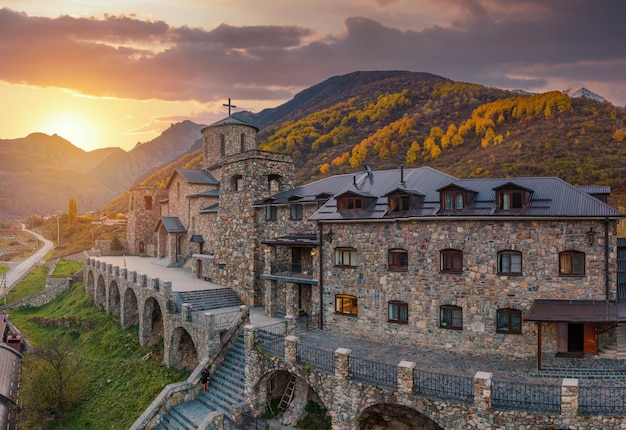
(479, 290)
(143, 214)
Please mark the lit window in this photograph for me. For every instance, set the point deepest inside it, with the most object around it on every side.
(451, 261)
(398, 312)
(399, 203)
(451, 317)
(345, 257)
(572, 263)
(350, 203)
(346, 305)
(509, 321)
(398, 259)
(510, 263)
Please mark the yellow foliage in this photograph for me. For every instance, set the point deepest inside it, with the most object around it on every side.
(324, 168)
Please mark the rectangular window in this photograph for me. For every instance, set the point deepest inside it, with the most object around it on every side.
(296, 212)
(572, 263)
(346, 305)
(510, 263)
(147, 203)
(345, 257)
(511, 200)
(399, 203)
(453, 201)
(271, 213)
(509, 321)
(398, 312)
(451, 261)
(350, 203)
(451, 317)
(398, 259)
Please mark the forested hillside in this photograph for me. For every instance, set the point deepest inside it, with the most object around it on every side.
(384, 119)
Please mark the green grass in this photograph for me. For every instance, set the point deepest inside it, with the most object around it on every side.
(4, 268)
(66, 268)
(32, 283)
(124, 376)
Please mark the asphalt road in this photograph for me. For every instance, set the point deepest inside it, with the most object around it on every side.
(18, 270)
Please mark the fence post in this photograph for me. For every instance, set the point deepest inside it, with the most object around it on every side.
(291, 349)
(569, 397)
(342, 363)
(482, 391)
(290, 325)
(186, 312)
(406, 371)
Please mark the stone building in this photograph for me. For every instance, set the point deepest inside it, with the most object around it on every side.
(414, 256)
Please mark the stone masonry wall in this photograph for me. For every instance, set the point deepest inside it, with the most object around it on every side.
(479, 290)
(141, 219)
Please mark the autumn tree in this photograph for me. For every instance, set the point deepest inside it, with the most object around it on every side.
(72, 212)
(53, 383)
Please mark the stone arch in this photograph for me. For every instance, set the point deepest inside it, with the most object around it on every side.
(90, 286)
(152, 324)
(183, 354)
(100, 298)
(271, 387)
(114, 299)
(130, 312)
(393, 416)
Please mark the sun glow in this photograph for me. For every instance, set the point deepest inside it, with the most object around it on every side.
(72, 127)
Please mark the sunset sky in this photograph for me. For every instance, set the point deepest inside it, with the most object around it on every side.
(119, 72)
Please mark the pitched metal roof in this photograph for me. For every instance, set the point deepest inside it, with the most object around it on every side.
(551, 196)
(207, 193)
(293, 240)
(210, 209)
(576, 311)
(172, 224)
(194, 176)
(311, 192)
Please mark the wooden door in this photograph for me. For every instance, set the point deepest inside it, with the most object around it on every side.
(591, 339)
(199, 268)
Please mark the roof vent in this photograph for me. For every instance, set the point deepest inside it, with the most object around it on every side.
(402, 174)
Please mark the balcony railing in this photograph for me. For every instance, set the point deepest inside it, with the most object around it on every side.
(292, 270)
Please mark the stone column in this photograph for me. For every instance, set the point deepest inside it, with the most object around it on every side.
(569, 397)
(291, 349)
(406, 370)
(482, 391)
(271, 287)
(124, 274)
(342, 363)
(246, 311)
(291, 299)
(290, 322)
(213, 343)
(186, 311)
(167, 288)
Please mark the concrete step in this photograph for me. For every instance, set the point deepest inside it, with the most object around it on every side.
(209, 299)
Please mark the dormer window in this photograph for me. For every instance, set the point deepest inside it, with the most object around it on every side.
(511, 197)
(453, 200)
(350, 203)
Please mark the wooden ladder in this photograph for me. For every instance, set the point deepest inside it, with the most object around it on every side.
(285, 401)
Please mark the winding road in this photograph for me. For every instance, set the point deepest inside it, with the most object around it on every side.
(18, 270)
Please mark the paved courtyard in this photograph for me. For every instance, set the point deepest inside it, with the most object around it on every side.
(444, 361)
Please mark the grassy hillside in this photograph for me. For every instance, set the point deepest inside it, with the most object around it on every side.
(124, 377)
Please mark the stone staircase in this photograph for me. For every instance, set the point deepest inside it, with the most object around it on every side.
(225, 393)
(606, 373)
(203, 300)
(616, 350)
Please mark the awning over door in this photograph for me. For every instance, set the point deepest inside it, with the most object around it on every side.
(580, 311)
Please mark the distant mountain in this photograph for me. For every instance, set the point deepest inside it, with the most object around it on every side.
(41, 173)
(584, 93)
(121, 169)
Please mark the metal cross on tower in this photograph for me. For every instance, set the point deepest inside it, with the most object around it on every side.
(229, 106)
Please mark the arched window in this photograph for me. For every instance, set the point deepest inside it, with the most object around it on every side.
(398, 260)
(346, 305)
(451, 261)
(508, 321)
(509, 263)
(572, 263)
(451, 317)
(274, 183)
(398, 312)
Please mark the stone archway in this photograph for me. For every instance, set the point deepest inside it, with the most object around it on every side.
(184, 355)
(395, 417)
(130, 313)
(90, 286)
(100, 298)
(114, 299)
(152, 323)
(273, 386)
